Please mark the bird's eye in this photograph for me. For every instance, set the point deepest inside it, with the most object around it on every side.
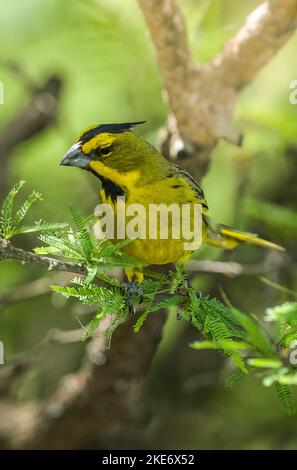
(105, 151)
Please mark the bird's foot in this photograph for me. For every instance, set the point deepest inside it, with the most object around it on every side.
(133, 292)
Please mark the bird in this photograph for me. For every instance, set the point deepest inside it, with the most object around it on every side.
(129, 167)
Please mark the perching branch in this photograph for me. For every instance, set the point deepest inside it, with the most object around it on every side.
(8, 251)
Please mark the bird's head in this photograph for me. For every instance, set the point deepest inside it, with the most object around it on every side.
(110, 149)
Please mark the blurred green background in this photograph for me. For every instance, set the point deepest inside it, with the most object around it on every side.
(102, 52)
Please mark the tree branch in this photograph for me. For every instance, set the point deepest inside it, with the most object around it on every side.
(202, 99)
(8, 251)
(232, 268)
(265, 31)
(169, 35)
(95, 404)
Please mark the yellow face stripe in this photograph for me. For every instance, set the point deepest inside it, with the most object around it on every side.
(128, 179)
(100, 140)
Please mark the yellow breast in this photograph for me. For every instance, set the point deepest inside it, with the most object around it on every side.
(151, 251)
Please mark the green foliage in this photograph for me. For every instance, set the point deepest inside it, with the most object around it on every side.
(79, 245)
(240, 337)
(235, 378)
(285, 397)
(108, 301)
(211, 318)
(285, 317)
(266, 363)
(244, 339)
(10, 222)
(84, 236)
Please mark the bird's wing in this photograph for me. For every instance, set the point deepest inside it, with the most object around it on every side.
(194, 185)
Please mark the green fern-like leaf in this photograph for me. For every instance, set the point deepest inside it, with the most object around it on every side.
(26, 206)
(215, 321)
(39, 226)
(235, 378)
(6, 213)
(290, 337)
(110, 254)
(140, 321)
(10, 224)
(60, 245)
(107, 300)
(255, 334)
(84, 235)
(285, 397)
(220, 334)
(151, 286)
(172, 301)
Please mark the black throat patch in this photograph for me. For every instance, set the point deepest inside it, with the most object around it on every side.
(110, 188)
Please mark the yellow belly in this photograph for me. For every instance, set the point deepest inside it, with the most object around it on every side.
(157, 251)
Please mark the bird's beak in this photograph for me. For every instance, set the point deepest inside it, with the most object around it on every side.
(75, 157)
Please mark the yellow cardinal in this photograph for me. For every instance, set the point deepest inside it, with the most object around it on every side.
(130, 167)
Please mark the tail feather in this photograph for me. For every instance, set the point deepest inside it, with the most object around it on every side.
(228, 238)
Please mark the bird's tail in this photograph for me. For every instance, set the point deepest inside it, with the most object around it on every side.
(228, 238)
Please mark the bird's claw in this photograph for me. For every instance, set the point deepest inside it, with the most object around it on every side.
(132, 289)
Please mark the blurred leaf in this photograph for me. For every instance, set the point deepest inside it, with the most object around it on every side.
(285, 398)
(266, 363)
(213, 345)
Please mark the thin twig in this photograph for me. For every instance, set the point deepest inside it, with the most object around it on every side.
(231, 268)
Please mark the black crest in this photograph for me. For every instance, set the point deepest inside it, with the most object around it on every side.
(108, 128)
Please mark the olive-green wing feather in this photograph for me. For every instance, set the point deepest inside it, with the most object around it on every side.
(220, 235)
(194, 185)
